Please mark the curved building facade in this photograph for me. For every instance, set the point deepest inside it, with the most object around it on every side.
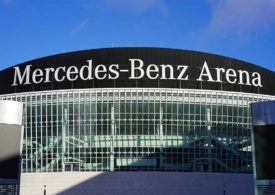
(137, 110)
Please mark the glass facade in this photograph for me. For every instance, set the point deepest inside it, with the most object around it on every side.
(137, 130)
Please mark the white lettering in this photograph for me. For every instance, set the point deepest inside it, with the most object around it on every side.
(256, 81)
(113, 69)
(205, 72)
(247, 77)
(48, 70)
(152, 68)
(72, 71)
(182, 72)
(56, 74)
(36, 74)
(231, 73)
(218, 71)
(100, 69)
(26, 76)
(88, 68)
(136, 68)
(163, 71)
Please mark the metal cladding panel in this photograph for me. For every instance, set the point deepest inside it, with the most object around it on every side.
(11, 133)
(11, 112)
(158, 56)
(263, 114)
(10, 140)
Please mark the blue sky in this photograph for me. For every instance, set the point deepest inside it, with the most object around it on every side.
(242, 29)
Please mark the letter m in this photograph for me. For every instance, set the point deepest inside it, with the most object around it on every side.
(21, 77)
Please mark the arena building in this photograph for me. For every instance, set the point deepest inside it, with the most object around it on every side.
(137, 120)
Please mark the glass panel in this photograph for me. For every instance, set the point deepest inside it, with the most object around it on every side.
(137, 130)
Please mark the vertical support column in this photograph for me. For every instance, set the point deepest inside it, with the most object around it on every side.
(161, 137)
(209, 135)
(64, 127)
(112, 139)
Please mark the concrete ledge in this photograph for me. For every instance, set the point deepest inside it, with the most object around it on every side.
(137, 183)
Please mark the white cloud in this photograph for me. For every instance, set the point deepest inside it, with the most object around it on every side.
(80, 26)
(140, 5)
(7, 2)
(241, 17)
